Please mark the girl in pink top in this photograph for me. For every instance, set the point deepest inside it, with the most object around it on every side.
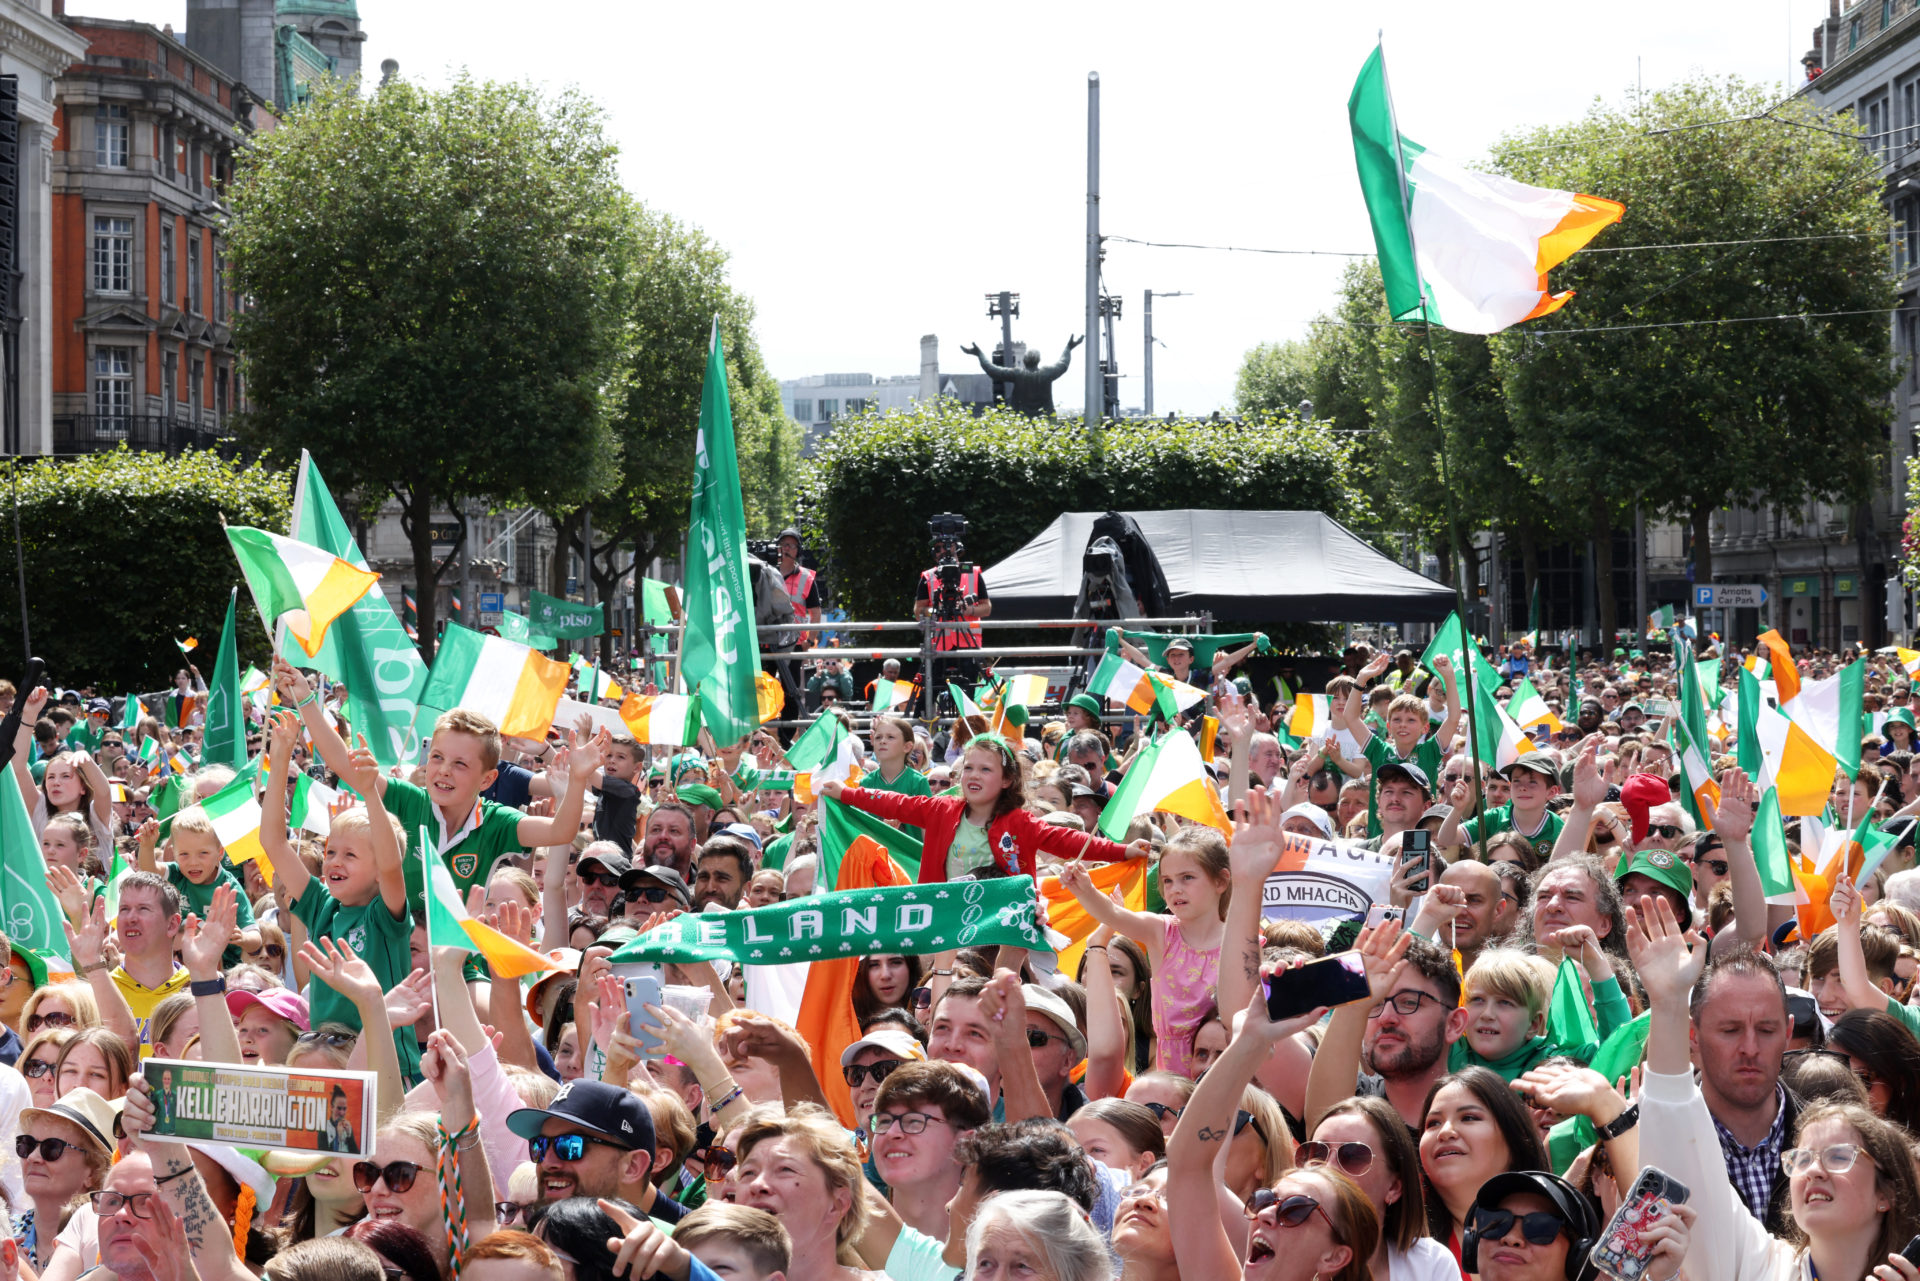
(1183, 945)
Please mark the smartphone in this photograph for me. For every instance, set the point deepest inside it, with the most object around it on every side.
(1620, 1252)
(1911, 1252)
(1416, 850)
(1329, 981)
(644, 990)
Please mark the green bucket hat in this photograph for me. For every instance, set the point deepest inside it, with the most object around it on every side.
(1088, 704)
(699, 794)
(1664, 866)
(1902, 715)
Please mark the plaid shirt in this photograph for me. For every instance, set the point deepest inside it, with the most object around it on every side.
(1752, 1170)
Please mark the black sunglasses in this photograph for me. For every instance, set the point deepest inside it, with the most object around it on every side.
(399, 1176)
(1037, 1038)
(1719, 865)
(607, 879)
(51, 1149)
(1288, 1211)
(920, 998)
(857, 1073)
(647, 893)
(34, 1068)
(1241, 1120)
(1161, 1111)
(1665, 830)
(1539, 1227)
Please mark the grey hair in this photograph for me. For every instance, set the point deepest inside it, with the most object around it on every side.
(1054, 1226)
(1904, 888)
(1606, 901)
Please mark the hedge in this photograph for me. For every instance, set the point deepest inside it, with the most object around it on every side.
(878, 477)
(124, 553)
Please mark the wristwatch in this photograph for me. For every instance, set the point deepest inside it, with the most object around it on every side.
(208, 987)
(1620, 1124)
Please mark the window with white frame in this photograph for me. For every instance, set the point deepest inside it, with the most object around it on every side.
(112, 387)
(112, 138)
(112, 254)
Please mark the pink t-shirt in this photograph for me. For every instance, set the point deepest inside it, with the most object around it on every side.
(1183, 992)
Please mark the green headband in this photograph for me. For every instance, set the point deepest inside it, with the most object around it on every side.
(699, 794)
(995, 742)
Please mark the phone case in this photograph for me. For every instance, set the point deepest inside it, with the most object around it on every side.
(643, 991)
(1619, 1252)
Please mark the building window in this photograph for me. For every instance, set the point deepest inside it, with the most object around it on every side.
(193, 270)
(803, 411)
(219, 282)
(1853, 35)
(829, 410)
(112, 388)
(1886, 14)
(170, 382)
(167, 261)
(857, 405)
(112, 255)
(1909, 122)
(196, 380)
(111, 138)
(222, 396)
(1877, 119)
(1907, 232)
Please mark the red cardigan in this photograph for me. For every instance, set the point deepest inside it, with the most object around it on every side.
(1015, 837)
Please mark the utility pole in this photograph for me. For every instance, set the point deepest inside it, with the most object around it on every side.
(1109, 363)
(586, 574)
(1095, 392)
(1146, 366)
(1006, 306)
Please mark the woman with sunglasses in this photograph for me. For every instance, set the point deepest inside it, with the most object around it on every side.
(1855, 1197)
(1365, 1139)
(69, 1004)
(64, 1154)
(39, 1061)
(1165, 1094)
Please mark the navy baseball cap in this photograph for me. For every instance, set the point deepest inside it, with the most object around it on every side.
(606, 1109)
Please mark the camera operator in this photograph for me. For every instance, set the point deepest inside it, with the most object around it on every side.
(953, 591)
(803, 585)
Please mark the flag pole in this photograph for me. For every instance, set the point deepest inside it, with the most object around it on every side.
(1469, 649)
(426, 878)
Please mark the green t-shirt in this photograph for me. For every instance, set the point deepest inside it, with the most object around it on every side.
(383, 941)
(195, 899)
(83, 738)
(910, 782)
(1500, 819)
(472, 857)
(1379, 751)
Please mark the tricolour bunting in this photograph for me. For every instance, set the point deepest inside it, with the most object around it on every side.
(668, 719)
(449, 925)
(514, 686)
(1777, 753)
(1168, 777)
(296, 583)
(1466, 250)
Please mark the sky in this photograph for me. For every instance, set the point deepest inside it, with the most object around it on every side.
(875, 170)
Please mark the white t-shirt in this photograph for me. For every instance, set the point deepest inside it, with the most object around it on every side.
(916, 1257)
(82, 1236)
(1428, 1260)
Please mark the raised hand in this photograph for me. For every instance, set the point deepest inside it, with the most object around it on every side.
(363, 771)
(1383, 950)
(686, 1040)
(513, 919)
(202, 942)
(444, 1066)
(1004, 1006)
(643, 1250)
(292, 685)
(1845, 903)
(1235, 717)
(87, 943)
(1576, 940)
(586, 756)
(1668, 960)
(1739, 799)
(1257, 1022)
(164, 1246)
(409, 999)
(335, 963)
(1571, 1091)
(1257, 842)
(68, 891)
(283, 731)
(1589, 784)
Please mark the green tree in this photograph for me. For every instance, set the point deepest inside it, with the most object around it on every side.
(1654, 385)
(126, 552)
(433, 298)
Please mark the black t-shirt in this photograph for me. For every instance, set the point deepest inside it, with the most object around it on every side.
(617, 815)
(513, 788)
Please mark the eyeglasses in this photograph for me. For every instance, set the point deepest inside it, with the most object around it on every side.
(1036, 1038)
(399, 1176)
(1405, 1004)
(1539, 1227)
(909, 1122)
(717, 1160)
(34, 1068)
(857, 1073)
(51, 1149)
(607, 879)
(1161, 1111)
(1837, 1159)
(1288, 1211)
(920, 998)
(1352, 1158)
(328, 1037)
(38, 1021)
(566, 1147)
(646, 893)
(1666, 830)
(507, 1213)
(1141, 1192)
(107, 1204)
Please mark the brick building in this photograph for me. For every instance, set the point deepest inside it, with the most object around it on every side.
(145, 138)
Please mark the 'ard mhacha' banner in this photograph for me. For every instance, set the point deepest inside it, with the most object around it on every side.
(290, 1109)
(555, 617)
(896, 919)
(1328, 886)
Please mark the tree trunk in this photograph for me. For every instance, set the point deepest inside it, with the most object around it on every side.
(566, 536)
(1530, 568)
(606, 585)
(1701, 518)
(416, 521)
(1603, 576)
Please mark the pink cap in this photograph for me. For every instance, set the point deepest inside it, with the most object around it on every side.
(290, 1006)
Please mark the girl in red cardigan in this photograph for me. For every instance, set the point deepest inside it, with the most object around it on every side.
(987, 826)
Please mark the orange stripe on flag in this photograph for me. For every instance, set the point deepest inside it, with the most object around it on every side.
(1065, 914)
(535, 694)
(826, 1019)
(1589, 216)
(1786, 673)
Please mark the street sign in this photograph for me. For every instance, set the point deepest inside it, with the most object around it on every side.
(493, 602)
(1730, 595)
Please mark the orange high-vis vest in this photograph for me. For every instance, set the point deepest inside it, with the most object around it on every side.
(969, 586)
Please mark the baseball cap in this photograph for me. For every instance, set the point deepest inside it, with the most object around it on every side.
(658, 873)
(1407, 770)
(745, 832)
(290, 1006)
(82, 1107)
(890, 1040)
(616, 863)
(1664, 866)
(1441, 812)
(1058, 1012)
(1180, 642)
(1313, 814)
(99, 705)
(568, 959)
(608, 1109)
(1539, 762)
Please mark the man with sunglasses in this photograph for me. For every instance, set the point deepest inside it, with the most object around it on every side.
(1708, 860)
(594, 1140)
(655, 888)
(599, 870)
(868, 1062)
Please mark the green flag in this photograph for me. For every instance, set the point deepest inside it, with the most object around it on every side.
(1533, 617)
(516, 628)
(130, 710)
(366, 648)
(1204, 646)
(719, 651)
(28, 911)
(816, 745)
(842, 825)
(1770, 851)
(654, 606)
(1451, 640)
(225, 738)
(564, 618)
(1569, 1020)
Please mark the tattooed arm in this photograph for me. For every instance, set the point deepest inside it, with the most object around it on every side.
(209, 1236)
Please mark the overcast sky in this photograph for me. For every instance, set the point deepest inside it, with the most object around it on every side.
(876, 169)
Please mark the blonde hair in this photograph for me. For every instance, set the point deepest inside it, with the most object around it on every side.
(77, 995)
(1277, 1138)
(1518, 976)
(525, 885)
(673, 1125)
(758, 1234)
(358, 819)
(462, 721)
(815, 1130)
(1408, 703)
(194, 818)
(166, 1017)
(113, 1048)
(422, 1127)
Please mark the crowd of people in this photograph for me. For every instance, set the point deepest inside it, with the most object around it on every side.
(1131, 1109)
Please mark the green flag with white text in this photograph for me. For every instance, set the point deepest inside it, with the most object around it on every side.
(720, 651)
(224, 738)
(29, 913)
(366, 648)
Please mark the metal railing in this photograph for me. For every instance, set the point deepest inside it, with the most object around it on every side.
(151, 433)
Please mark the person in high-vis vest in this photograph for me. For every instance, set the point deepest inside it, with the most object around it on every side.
(974, 606)
(803, 585)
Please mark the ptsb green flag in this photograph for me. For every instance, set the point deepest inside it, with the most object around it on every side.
(720, 653)
(224, 739)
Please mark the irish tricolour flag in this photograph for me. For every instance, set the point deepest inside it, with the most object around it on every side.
(236, 818)
(889, 694)
(1466, 250)
(299, 584)
(449, 925)
(515, 686)
(1311, 717)
(1777, 753)
(671, 720)
(1169, 778)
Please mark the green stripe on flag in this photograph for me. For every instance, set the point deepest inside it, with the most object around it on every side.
(841, 825)
(1770, 851)
(1378, 154)
(817, 744)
